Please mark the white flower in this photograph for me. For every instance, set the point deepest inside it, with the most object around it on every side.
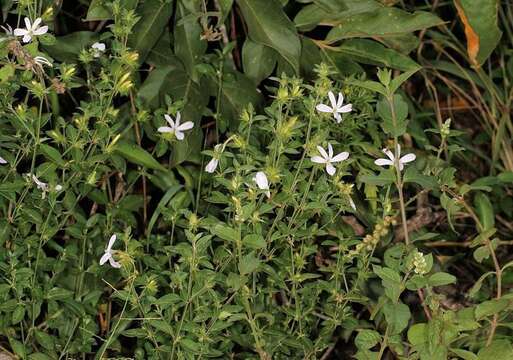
(263, 184)
(42, 61)
(351, 202)
(175, 126)
(391, 161)
(8, 31)
(329, 159)
(31, 30)
(108, 254)
(212, 165)
(336, 107)
(43, 186)
(98, 49)
(2, 160)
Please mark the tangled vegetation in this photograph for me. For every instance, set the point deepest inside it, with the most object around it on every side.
(256, 179)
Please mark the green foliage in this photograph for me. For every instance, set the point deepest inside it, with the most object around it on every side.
(172, 185)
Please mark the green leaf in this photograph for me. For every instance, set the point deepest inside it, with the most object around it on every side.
(331, 12)
(373, 53)
(384, 178)
(44, 340)
(249, 263)
(397, 316)
(52, 154)
(189, 46)
(385, 21)
(498, 350)
(258, 60)
(154, 16)
(269, 25)
(161, 205)
(367, 339)
(137, 155)
(480, 22)
(464, 354)
(391, 126)
(417, 334)
(490, 307)
(67, 48)
(484, 209)
(254, 241)
(412, 175)
(441, 278)
(226, 233)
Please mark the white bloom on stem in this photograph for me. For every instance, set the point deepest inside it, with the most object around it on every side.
(43, 186)
(392, 161)
(351, 202)
(31, 30)
(2, 161)
(7, 29)
(214, 162)
(98, 49)
(263, 184)
(212, 165)
(336, 107)
(42, 61)
(328, 158)
(108, 254)
(175, 127)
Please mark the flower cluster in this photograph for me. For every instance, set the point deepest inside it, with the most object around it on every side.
(371, 240)
(419, 263)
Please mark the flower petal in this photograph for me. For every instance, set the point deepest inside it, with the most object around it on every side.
(27, 38)
(389, 154)
(337, 117)
(407, 158)
(112, 240)
(2, 160)
(340, 157)
(333, 101)
(20, 32)
(330, 151)
(28, 24)
(114, 263)
(36, 23)
(212, 165)
(261, 180)
(318, 160)
(169, 120)
(324, 108)
(105, 257)
(330, 169)
(185, 126)
(340, 100)
(165, 129)
(345, 109)
(179, 135)
(41, 31)
(323, 152)
(384, 162)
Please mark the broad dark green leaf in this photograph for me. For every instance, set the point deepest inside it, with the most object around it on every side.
(137, 155)
(332, 13)
(67, 48)
(480, 22)
(373, 53)
(154, 16)
(385, 21)
(268, 25)
(258, 60)
(189, 46)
